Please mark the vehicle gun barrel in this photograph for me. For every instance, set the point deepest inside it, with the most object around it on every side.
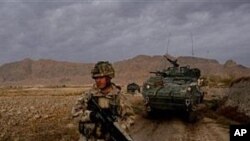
(173, 62)
(163, 74)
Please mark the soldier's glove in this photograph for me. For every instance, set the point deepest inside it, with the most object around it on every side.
(86, 116)
(89, 116)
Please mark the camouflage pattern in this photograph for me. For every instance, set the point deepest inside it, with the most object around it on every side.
(115, 101)
(103, 68)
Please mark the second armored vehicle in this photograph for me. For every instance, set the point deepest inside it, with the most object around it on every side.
(132, 88)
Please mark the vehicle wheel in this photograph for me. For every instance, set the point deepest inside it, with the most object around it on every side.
(149, 112)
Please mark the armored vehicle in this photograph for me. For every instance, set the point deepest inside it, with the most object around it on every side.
(174, 88)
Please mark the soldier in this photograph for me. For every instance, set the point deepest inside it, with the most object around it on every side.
(108, 96)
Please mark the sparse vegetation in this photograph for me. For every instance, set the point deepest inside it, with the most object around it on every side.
(40, 114)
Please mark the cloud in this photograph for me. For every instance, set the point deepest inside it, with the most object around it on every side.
(87, 31)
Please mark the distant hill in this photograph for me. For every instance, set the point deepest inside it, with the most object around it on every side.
(44, 71)
(50, 72)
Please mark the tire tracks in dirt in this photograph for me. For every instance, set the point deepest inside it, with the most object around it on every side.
(175, 129)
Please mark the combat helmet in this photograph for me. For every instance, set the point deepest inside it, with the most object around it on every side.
(103, 68)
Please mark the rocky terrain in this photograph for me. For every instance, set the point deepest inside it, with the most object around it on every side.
(236, 105)
(43, 114)
(37, 114)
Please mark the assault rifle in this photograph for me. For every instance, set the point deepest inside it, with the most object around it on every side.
(108, 121)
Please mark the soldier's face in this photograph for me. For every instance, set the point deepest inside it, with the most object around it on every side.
(102, 82)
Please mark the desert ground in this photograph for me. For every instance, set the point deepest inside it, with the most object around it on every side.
(43, 114)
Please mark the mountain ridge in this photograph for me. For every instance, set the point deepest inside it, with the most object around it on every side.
(52, 72)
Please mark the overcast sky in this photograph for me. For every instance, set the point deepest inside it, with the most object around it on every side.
(92, 30)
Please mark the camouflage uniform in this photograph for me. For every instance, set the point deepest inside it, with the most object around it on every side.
(114, 101)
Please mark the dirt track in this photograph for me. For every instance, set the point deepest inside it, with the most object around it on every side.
(29, 115)
(178, 130)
